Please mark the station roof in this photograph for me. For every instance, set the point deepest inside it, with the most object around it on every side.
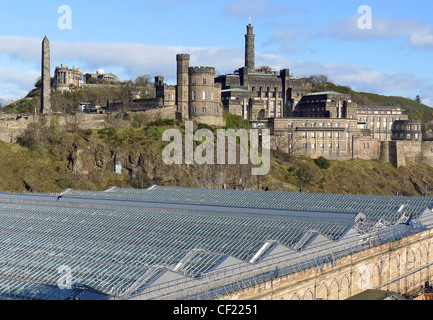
(111, 240)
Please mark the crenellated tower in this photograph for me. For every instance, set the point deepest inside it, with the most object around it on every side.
(182, 96)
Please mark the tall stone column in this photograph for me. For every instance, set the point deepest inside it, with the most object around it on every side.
(46, 78)
(250, 49)
(183, 84)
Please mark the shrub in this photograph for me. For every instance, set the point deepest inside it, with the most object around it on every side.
(322, 163)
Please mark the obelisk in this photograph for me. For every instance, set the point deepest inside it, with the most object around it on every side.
(46, 78)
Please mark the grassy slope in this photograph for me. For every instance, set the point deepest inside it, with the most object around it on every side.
(353, 176)
(27, 170)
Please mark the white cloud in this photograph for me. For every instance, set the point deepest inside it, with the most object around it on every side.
(290, 39)
(416, 33)
(357, 77)
(136, 59)
(130, 59)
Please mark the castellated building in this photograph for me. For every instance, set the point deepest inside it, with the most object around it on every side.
(65, 78)
(196, 96)
(301, 122)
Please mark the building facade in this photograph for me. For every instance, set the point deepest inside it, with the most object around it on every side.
(65, 78)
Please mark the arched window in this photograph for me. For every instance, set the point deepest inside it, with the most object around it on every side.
(204, 95)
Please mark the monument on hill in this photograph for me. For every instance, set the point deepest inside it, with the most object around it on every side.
(46, 78)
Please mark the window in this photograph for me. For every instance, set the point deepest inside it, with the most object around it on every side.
(194, 95)
(408, 136)
(313, 146)
(289, 124)
(416, 136)
(329, 134)
(204, 109)
(204, 81)
(321, 134)
(322, 146)
(330, 145)
(337, 146)
(304, 135)
(337, 135)
(204, 95)
(321, 124)
(193, 81)
(305, 146)
(304, 124)
(313, 135)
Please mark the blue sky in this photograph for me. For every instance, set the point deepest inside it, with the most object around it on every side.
(133, 37)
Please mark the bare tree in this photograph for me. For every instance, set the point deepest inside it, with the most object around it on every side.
(303, 175)
(143, 81)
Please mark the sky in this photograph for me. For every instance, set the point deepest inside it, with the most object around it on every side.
(377, 46)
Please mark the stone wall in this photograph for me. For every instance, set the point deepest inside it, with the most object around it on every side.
(399, 152)
(401, 266)
(427, 152)
(365, 147)
(11, 127)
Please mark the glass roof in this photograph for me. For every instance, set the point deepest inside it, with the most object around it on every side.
(110, 249)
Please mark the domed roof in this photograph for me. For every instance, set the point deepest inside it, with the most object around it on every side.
(100, 71)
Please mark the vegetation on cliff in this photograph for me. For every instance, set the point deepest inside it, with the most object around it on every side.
(50, 160)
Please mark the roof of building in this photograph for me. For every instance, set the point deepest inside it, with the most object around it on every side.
(371, 294)
(324, 92)
(127, 242)
(234, 90)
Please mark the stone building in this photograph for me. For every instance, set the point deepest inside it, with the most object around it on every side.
(326, 105)
(102, 75)
(205, 96)
(65, 78)
(257, 94)
(408, 130)
(197, 95)
(165, 94)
